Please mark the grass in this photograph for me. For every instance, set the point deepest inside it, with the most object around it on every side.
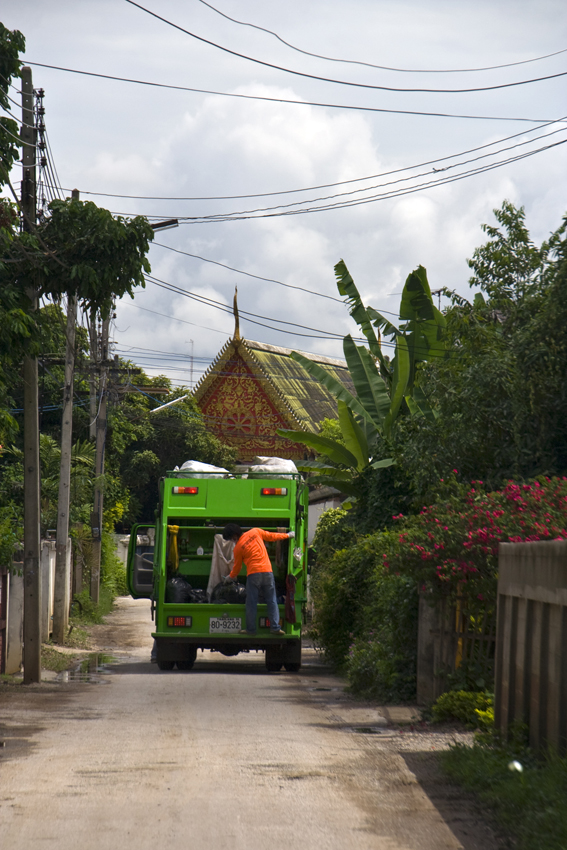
(530, 804)
(52, 659)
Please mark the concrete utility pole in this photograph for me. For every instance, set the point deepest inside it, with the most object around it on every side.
(32, 578)
(61, 597)
(96, 519)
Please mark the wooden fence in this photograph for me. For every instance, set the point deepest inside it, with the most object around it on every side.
(531, 651)
(452, 638)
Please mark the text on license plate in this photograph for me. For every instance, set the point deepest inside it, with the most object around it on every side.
(226, 625)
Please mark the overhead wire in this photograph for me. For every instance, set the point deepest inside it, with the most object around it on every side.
(325, 185)
(249, 274)
(209, 302)
(419, 113)
(349, 83)
(381, 67)
(399, 180)
(282, 211)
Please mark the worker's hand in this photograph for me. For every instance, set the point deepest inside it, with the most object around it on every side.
(227, 579)
(291, 534)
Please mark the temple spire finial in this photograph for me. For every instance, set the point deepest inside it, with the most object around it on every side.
(236, 319)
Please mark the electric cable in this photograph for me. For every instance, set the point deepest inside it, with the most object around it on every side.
(341, 82)
(248, 274)
(399, 180)
(244, 216)
(214, 219)
(381, 67)
(294, 102)
(323, 185)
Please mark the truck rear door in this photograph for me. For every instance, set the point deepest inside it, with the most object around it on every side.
(140, 564)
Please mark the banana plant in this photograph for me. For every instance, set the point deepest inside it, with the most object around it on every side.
(381, 385)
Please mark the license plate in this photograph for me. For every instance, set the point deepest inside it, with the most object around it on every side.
(225, 625)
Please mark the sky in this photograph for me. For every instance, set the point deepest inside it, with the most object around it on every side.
(393, 165)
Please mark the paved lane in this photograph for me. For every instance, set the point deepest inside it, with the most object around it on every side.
(225, 756)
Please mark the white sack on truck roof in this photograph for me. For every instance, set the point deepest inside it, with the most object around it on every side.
(197, 469)
(264, 467)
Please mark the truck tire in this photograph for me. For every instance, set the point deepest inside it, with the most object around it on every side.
(292, 666)
(189, 660)
(165, 665)
(274, 660)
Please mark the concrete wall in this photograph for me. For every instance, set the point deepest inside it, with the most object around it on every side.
(15, 625)
(531, 644)
(15, 607)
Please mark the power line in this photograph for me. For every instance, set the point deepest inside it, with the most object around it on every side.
(323, 185)
(341, 82)
(209, 302)
(393, 182)
(248, 274)
(293, 102)
(245, 215)
(381, 67)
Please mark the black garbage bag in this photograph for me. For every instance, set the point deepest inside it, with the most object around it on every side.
(199, 595)
(233, 593)
(178, 590)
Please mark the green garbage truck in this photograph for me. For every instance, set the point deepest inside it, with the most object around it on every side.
(178, 563)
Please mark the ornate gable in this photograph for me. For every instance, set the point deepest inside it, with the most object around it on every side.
(242, 406)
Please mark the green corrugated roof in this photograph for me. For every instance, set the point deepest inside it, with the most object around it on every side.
(310, 401)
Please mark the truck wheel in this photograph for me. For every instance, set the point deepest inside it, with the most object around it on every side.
(166, 665)
(292, 667)
(274, 659)
(189, 660)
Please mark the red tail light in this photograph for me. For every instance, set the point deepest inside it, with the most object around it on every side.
(274, 491)
(185, 491)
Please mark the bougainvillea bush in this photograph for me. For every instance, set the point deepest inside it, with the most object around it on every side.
(451, 546)
(366, 595)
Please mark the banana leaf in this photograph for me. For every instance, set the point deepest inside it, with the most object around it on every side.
(370, 387)
(353, 435)
(332, 384)
(324, 445)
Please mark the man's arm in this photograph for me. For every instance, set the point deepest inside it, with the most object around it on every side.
(270, 536)
(237, 554)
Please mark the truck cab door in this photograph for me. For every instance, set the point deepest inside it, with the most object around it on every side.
(140, 564)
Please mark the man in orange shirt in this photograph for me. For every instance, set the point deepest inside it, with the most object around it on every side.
(250, 548)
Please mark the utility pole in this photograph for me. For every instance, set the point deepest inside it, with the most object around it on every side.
(96, 518)
(32, 577)
(61, 596)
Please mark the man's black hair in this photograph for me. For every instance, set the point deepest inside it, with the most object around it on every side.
(231, 530)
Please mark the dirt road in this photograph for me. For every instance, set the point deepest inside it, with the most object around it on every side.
(225, 756)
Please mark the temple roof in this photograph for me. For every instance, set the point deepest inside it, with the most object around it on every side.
(305, 401)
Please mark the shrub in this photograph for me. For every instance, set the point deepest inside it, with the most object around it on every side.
(476, 709)
(381, 663)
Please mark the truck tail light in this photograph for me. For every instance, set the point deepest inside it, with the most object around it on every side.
(274, 491)
(180, 621)
(185, 491)
(265, 623)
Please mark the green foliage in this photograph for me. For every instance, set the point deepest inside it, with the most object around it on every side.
(381, 662)
(11, 533)
(93, 255)
(501, 393)
(142, 447)
(365, 618)
(12, 43)
(381, 388)
(113, 573)
(476, 709)
(529, 804)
